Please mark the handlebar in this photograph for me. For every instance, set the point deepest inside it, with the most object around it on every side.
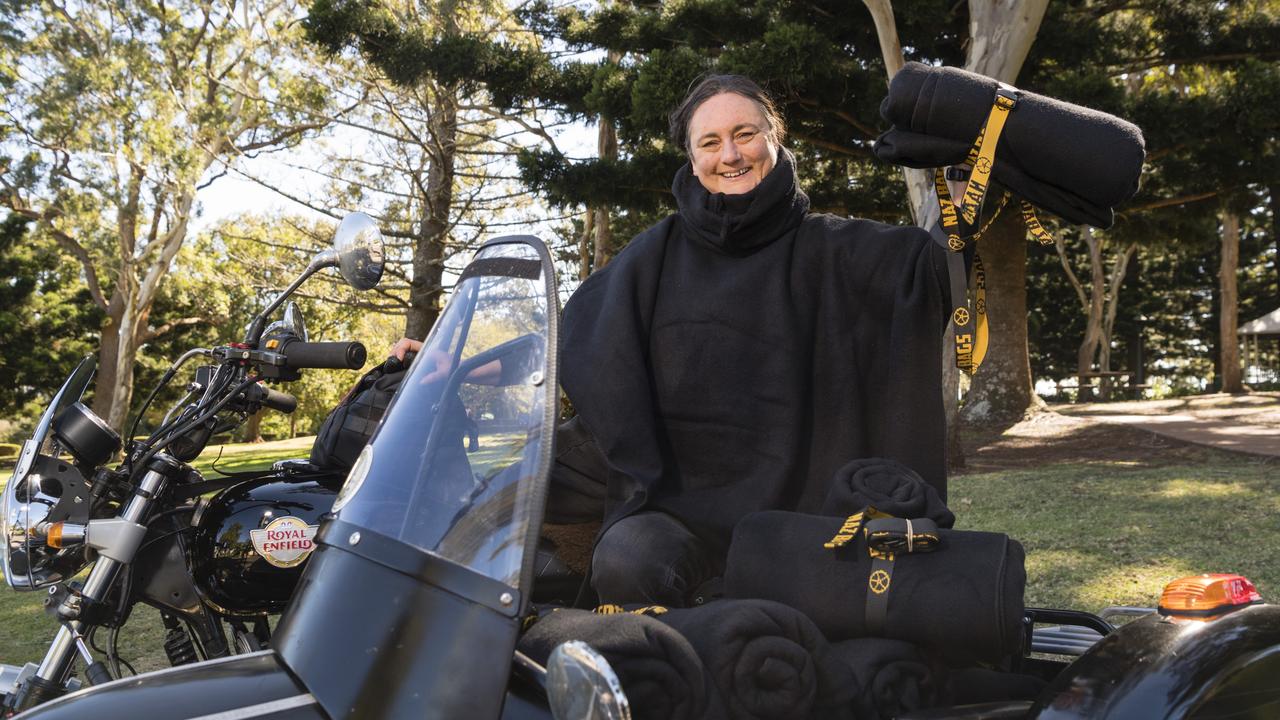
(279, 401)
(271, 398)
(339, 355)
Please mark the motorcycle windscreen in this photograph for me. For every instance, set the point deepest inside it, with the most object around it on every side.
(28, 497)
(458, 466)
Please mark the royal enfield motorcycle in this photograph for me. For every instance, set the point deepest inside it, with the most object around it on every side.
(213, 555)
(412, 602)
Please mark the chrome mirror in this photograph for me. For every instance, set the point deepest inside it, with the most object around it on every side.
(358, 244)
(581, 685)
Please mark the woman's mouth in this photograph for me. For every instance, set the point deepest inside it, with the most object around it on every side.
(735, 173)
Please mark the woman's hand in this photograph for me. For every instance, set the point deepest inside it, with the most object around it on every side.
(405, 345)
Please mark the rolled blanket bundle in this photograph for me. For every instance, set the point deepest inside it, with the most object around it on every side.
(965, 598)
(889, 487)
(889, 676)
(658, 668)
(766, 659)
(1070, 160)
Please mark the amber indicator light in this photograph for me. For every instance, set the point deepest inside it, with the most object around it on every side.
(54, 538)
(1206, 596)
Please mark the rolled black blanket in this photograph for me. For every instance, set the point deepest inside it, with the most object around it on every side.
(889, 676)
(658, 668)
(1070, 160)
(767, 660)
(964, 598)
(888, 486)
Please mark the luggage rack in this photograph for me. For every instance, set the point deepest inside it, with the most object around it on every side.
(1072, 632)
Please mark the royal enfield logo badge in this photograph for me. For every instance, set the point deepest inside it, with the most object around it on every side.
(286, 542)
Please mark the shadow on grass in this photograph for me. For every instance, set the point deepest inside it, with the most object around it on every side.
(1114, 533)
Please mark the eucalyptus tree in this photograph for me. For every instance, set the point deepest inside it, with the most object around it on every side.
(116, 115)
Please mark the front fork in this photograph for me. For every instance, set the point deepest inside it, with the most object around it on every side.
(116, 540)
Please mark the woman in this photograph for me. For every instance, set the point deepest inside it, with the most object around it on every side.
(739, 352)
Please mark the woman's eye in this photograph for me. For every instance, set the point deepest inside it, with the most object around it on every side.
(745, 137)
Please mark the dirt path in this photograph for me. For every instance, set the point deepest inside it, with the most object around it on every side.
(1152, 433)
(1240, 423)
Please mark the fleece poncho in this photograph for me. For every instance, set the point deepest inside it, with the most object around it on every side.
(739, 352)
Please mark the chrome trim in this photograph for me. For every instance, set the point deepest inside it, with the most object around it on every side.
(266, 708)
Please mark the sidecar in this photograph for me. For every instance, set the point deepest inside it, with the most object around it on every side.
(413, 601)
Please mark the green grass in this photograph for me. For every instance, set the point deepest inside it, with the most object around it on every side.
(1106, 533)
(1096, 533)
(25, 629)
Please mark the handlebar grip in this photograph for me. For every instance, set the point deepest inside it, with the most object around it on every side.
(279, 401)
(339, 355)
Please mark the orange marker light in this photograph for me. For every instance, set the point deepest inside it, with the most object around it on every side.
(54, 538)
(1207, 596)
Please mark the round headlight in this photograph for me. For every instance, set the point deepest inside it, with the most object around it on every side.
(29, 562)
(581, 685)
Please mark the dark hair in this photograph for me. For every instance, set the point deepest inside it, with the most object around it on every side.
(713, 85)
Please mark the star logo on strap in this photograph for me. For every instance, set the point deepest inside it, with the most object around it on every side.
(879, 582)
(955, 243)
(984, 165)
(960, 316)
(981, 307)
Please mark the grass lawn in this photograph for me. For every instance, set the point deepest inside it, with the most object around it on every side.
(1112, 533)
(1107, 517)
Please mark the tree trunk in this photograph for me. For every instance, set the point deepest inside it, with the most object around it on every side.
(606, 149)
(1002, 388)
(1275, 236)
(252, 431)
(1096, 299)
(427, 287)
(1228, 317)
(1000, 35)
(585, 252)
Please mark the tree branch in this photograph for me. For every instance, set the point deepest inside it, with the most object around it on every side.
(153, 333)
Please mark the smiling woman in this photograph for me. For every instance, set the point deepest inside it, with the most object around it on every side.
(732, 133)
(742, 350)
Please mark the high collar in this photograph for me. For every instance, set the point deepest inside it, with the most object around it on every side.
(739, 224)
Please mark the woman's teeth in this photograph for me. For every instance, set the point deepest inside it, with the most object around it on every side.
(737, 173)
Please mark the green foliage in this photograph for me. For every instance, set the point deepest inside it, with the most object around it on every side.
(47, 317)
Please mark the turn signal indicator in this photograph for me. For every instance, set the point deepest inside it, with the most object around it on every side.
(1207, 596)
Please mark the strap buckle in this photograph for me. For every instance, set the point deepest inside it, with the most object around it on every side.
(1007, 96)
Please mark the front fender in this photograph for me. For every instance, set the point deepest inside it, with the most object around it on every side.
(249, 686)
(1158, 667)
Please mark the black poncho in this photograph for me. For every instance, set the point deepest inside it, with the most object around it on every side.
(736, 354)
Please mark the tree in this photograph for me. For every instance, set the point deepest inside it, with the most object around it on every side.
(440, 154)
(117, 113)
(826, 65)
(40, 301)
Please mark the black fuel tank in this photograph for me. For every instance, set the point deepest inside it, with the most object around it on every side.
(253, 539)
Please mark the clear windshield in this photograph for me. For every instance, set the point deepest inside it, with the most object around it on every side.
(454, 467)
(26, 502)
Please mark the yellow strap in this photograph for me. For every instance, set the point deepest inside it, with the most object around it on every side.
(950, 217)
(985, 158)
(1033, 224)
(971, 346)
(852, 524)
(982, 339)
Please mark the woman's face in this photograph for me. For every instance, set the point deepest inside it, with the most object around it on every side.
(731, 150)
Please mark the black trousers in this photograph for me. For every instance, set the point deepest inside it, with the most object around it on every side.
(651, 558)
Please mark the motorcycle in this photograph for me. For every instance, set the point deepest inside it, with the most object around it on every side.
(147, 528)
(412, 602)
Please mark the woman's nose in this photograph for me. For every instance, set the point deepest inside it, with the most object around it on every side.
(729, 153)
